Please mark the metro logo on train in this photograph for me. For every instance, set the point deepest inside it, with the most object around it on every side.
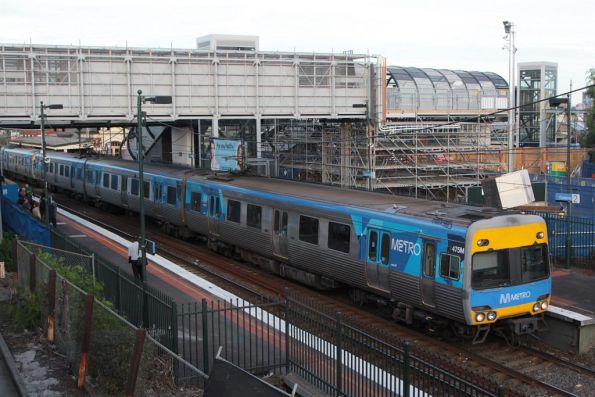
(406, 247)
(508, 297)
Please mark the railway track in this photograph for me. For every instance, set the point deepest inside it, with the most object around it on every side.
(480, 365)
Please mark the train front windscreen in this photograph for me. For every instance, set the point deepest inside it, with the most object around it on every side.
(508, 267)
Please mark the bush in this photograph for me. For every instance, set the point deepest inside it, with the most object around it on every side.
(27, 313)
(6, 252)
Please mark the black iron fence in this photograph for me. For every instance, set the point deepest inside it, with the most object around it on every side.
(128, 295)
(295, 337)
(578, 233)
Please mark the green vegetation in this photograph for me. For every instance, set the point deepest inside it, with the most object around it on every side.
(6, 252)
(589, 138)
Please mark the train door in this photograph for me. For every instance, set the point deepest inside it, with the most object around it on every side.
(98, 183)
(428, 272)
(280, 233)
(214, 212)
(124, 190)
(157, 199)
(377, 263)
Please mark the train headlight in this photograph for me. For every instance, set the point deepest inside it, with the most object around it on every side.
(492, 316)
(544, 305)
(536, 307)
(539, 235)
(483, 242)
(479, 317)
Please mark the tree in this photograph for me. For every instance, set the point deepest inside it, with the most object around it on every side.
(589, 138)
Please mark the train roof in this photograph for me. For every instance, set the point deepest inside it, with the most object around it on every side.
(390, 204)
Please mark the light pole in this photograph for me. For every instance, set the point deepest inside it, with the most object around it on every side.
(141, 188)
(509, 30)
(46, 214)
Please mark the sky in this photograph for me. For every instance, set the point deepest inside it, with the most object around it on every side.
(451, 34)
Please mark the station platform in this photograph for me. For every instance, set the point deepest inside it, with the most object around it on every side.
(571, 316)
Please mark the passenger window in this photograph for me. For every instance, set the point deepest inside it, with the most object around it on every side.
(373, 246)
(134, 187)
(89, 176)
(339, 237)
(195, 201)
(254, 216)
(79, 174)
(233, 211)
(146, 187)
(61, 169)
(429, 259)
(51, 168)
(385, 248)
(171, 195)
(67, 171)
(106, 180)
(114, 185)
(309, 229)
(450, 266)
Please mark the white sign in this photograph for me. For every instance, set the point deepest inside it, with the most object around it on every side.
(576, 198)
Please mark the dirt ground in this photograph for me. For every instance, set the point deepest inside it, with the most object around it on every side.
(45, 372)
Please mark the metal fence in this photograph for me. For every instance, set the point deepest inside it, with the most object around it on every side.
(128, 296)
(581, 232)
(295, 337)
(95, 340)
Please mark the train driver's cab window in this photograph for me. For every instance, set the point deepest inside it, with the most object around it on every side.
(254, 216)
(339, 236)
(195, 199)
(233, 211)
(134, 187)
(114, 182)
(450, 266)
(309, 229)
(106, 180)
(171, 195)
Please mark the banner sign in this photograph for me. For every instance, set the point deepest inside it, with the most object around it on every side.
(227, 155)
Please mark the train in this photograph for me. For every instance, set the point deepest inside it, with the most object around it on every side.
(471, 269)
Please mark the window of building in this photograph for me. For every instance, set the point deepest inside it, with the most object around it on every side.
(450, 266)
(171, 195)
(254, 216)
(114, 182)
(339, 237)
(233, 211)
(309, 229)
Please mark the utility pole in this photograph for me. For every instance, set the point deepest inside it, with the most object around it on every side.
(568, 184)
(46, 214)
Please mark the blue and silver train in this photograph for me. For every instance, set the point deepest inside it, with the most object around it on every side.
(429, 262)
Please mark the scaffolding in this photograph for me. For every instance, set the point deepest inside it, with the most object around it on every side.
(437, 160)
